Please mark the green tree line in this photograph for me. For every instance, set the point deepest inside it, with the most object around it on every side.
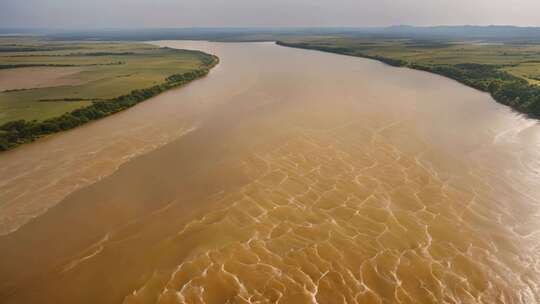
(504, 87)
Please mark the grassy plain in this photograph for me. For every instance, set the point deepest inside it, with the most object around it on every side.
(108, 70)
(521, 60)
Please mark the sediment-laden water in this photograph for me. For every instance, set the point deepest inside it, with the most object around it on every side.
(305, 177)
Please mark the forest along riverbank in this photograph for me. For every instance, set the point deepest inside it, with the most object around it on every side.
(306, 177)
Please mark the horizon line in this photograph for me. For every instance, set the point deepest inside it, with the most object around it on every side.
(261, 27)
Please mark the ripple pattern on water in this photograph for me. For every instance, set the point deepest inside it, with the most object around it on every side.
(353, 220)
(285, 176)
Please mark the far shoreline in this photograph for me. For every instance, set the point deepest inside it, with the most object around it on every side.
(499, 98)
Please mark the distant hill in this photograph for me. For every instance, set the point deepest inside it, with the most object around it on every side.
(467, 32)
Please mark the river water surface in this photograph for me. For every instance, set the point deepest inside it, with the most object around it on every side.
(285, 176)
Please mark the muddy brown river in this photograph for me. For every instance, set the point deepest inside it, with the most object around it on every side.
(285, 176)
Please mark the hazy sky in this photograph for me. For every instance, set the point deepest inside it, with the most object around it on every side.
(244, 13)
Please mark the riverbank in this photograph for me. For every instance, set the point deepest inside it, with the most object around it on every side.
(284, 176)
(503, 78)
(142, 68)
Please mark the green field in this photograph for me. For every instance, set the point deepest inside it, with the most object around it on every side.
(107, 70)
(51, 87)
(509, 71)
(522, 60)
